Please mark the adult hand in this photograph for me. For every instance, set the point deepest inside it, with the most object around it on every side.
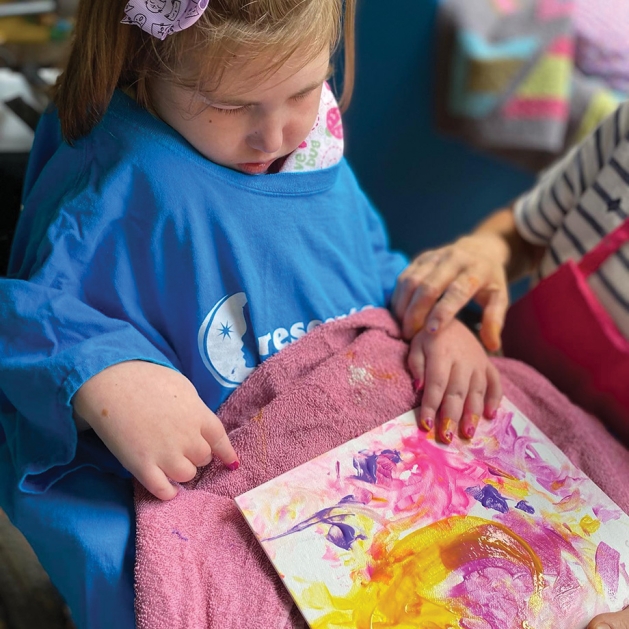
(459, 381)
(618, 620)
(438, 283)
(154, 422)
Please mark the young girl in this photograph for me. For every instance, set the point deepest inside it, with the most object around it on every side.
(187, 214)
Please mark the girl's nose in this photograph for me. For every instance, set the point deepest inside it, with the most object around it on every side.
(268, 137)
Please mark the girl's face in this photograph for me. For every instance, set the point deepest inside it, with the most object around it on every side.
(247, 123)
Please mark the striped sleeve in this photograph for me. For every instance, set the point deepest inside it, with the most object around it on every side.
(539, 212)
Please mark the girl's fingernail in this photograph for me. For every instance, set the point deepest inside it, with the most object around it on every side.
(494, 414)
(418, 385)
(602, 625)
(427, 424)
(471, 429)
(233, 466)
(446, 430)
(432, 326)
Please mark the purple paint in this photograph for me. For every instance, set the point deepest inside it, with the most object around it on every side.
(343, 535)
(340, 534)
(608, 566)
(523, 505)
(371, 468)
(489, 497)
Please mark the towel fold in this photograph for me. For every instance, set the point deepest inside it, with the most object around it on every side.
(199, 566)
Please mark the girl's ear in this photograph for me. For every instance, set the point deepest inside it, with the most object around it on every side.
(101, 52)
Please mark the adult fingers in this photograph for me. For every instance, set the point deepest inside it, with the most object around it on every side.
(409, 280)
(493, 394)
(494, 313)
(474, 405)
(458, 293)
(427, 293)
(214, 433)
(453, 401)
(157, 483)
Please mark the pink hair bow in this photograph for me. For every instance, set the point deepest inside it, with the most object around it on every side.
(161, 18)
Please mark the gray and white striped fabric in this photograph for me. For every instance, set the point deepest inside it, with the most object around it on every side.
(577, 201)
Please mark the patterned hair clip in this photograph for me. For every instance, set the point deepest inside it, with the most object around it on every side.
(161, 18)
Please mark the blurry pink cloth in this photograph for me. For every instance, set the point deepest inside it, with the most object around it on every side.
(199, 566)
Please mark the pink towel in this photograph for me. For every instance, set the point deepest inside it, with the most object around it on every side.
(198, 565)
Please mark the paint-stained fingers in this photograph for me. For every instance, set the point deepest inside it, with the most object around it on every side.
(493, 394)
(157, 483)
(406, 286)
(417, 364)
(426, 297)
(494, 314)
(437, 374)
(458, 293)
(474, 405)
(214, 433)
(453, 401)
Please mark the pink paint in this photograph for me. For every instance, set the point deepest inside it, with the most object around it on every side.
(537, 108)
(605, 515)
(608, 566)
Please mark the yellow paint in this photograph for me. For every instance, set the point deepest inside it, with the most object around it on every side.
(511, 488)
(589, 525)
(404, 584)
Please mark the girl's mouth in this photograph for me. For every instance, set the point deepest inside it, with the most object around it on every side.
(255, 168)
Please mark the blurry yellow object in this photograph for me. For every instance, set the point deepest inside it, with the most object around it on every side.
(19, 30)
(602, 105)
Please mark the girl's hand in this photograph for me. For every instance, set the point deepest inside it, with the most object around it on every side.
(459, 382)
(438, 283)
(154, 422)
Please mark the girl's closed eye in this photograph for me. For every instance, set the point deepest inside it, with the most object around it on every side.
(225, 109)
(230, 109)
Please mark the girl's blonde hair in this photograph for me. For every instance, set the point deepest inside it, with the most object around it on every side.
(106, 54)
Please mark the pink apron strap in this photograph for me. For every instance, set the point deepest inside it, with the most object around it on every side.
(593, 259)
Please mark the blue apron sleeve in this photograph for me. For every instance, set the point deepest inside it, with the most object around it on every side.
(391, 263)
(50, 344)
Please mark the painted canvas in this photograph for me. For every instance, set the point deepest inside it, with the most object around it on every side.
(393, 529)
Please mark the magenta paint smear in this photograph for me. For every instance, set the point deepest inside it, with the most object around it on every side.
(608, 566)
